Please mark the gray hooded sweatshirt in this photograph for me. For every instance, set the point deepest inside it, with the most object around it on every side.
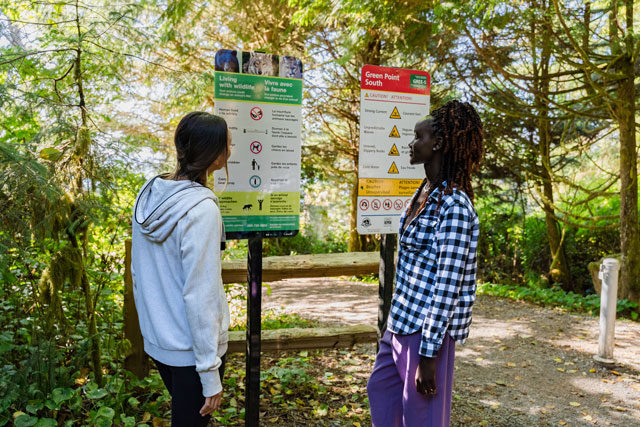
(177, 280)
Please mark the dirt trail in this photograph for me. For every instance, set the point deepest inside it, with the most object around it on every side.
(522, 365)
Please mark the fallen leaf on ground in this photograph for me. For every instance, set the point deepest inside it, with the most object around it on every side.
(574, 403)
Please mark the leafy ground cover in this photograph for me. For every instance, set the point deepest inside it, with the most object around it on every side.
(556, 297)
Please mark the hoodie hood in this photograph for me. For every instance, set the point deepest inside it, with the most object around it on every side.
(162, 203)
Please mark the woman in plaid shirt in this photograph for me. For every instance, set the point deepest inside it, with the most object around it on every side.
(412, 378)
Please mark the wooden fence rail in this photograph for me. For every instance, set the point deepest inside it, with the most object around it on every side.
(304, 266)
(273, 268)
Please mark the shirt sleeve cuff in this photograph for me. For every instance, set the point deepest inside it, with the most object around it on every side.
(211, 384)
(429, 349)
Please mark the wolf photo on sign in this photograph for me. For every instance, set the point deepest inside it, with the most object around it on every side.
(260, 64)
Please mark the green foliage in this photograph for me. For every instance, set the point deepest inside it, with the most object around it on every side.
(271, 319)
(556, 297)
(306, 242)
(289, 372)
(514, 249)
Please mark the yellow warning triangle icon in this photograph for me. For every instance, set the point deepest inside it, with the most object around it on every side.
(394, 133)
(395, 114)
(393, 168)
(394, 151)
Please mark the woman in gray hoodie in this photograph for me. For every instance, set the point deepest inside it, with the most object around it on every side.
(178, 236)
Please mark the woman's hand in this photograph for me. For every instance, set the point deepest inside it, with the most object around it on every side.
(211, 403)
(426, 375)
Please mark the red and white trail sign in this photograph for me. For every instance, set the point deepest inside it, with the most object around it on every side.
(392, 101)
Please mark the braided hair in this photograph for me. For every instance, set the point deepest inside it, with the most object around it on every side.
(458, 128)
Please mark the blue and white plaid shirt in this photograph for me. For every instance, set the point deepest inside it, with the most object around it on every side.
(436, 271)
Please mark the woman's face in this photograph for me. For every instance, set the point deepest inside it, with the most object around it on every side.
(424, 145)
(222, 159)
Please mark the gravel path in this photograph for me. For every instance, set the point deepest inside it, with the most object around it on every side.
(522, 365)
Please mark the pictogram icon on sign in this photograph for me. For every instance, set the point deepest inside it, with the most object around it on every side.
(394, 151)
(255, 147)
(386, 204)
(255, 181)
(395, 114)
(394, 132)
(393, 168)
(364, 204)
(398, 204)
(406, 202)
(375, 204)
(256, 113)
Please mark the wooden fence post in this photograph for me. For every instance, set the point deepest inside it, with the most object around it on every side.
(137, 360)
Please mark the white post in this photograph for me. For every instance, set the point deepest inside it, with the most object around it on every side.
(608, 302)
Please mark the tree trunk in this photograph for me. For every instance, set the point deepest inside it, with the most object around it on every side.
(629, 236)
(354, 238)
(371, 57)
(558, 269)
(83, 143)
(625, 115)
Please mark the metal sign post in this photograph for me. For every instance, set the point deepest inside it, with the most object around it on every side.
(386, 276)
(254, 309)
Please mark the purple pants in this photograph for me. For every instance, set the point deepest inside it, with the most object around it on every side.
(393, 398)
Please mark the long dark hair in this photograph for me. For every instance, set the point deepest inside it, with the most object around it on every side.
(200, 139)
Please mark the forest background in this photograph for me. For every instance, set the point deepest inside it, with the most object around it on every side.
(91, 91)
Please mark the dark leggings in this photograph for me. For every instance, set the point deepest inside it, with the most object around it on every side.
(185, 388)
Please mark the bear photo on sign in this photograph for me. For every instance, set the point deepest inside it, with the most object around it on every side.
(227, 61)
